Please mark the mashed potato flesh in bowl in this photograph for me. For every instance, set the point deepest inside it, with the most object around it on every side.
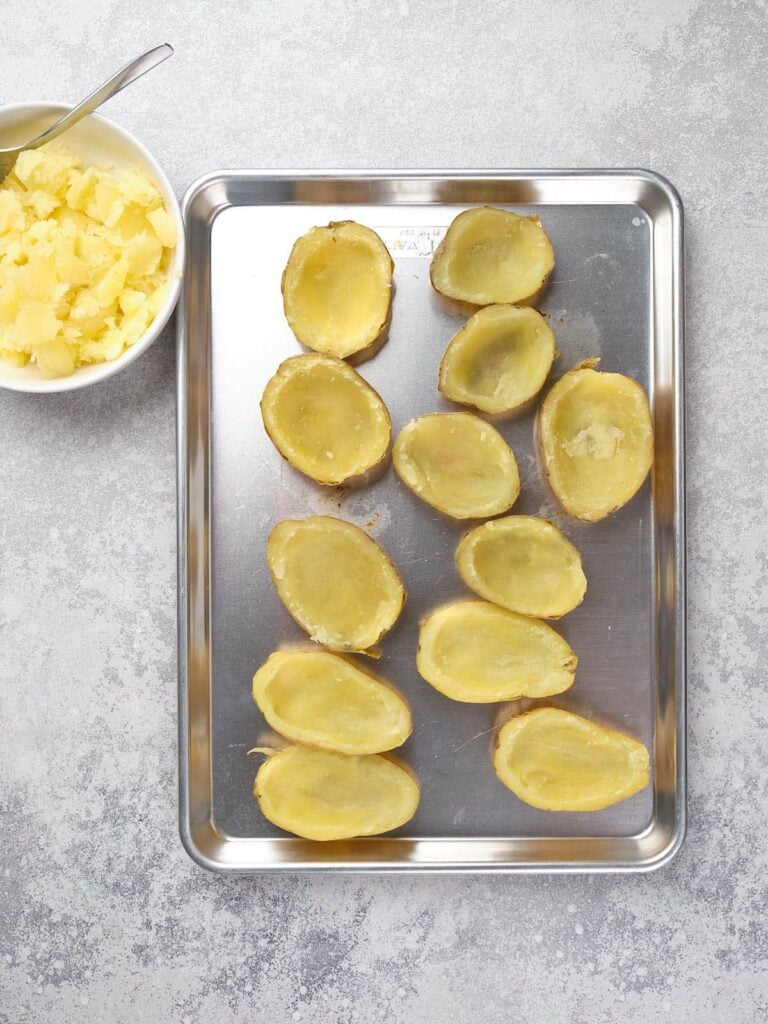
(84, 257)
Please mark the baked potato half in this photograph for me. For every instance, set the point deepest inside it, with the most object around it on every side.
(490, 255)
(499, 360)
(335, 581)
(596, 440)
(325, 419)
(337, 289)
(322, 795)
(457, 463)
(558, 761)
(324, 700)
(476, 652)
(524, 564)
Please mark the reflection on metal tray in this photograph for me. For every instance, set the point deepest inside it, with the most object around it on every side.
(615, 293)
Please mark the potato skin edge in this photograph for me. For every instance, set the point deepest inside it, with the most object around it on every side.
(371, 348)
(507, 412)
(587, 364)
(386, 683)
(483, 597)
(562, 810)
(358, 477)
(570, 666)
(370, 651)
(439, 254)
(405, 768)
(451, 516)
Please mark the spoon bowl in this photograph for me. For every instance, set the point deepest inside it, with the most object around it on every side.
(135, 69)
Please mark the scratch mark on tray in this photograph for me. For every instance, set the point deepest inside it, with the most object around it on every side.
(415, 561)
(485, 732)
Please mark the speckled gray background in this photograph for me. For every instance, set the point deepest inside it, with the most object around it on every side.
(103, 917)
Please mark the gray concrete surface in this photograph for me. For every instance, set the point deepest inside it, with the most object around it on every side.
(102, 915)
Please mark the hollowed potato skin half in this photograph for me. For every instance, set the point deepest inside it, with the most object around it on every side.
(490, 255)
(522, 563)
(478, 653)
(457, 463)
(324, 700)
(321, 795)
(337, 288)
(558, 761)
(335, 581)
(596, 440)
(325, 419)
(499, 360)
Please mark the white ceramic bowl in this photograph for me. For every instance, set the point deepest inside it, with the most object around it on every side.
(100, 141)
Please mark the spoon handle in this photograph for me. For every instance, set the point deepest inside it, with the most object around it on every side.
(113, 85)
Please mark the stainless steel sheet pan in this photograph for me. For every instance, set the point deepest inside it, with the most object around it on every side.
(615, 294)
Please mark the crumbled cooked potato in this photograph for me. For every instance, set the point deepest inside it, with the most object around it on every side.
(558, 761)
(326, 700)
(321, 795)
(84, 253)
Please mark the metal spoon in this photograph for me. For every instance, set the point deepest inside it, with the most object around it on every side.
(124, 77)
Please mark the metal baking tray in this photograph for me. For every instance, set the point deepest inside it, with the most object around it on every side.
(616, 294)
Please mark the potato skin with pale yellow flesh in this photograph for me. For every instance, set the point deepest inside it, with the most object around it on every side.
(499, 359)
(558, 761)
(492, 256)
(322, 795)
(325, 419)
(524, 564)
(326, 700)
(337, 288)
(595, 435)
(335, 581)
(478, 653)
(457, 463)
